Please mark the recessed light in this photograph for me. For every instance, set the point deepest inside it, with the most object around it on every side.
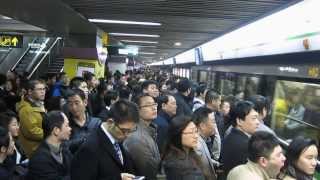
(177, 43)
(124, 22)
(133, 41)
(135, 35)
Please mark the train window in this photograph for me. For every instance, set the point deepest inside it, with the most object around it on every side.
(227, 84)
(203, 76)
(188, 73)
(212, 81)
(296, 109)
(252, 85)
(194, 75)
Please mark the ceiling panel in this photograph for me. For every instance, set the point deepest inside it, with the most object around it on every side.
(190, 22)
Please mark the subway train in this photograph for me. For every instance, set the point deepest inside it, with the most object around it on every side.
(289, 81)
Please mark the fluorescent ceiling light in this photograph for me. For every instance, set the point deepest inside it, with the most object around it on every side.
(147, 53)
(135, 35)
(132, 41)
(141, 46)
(5, 17)
(124, 22)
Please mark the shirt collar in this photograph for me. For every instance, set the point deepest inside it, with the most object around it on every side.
(111, 138)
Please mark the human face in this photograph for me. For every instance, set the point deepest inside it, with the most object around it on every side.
(208, 128)
(190, 136)
(9, 86)
(275, 162)
(94, 82)
(76, 105)
(121, 131)
(217, 103)
(171, 106)
(38, 93)
(84, 87)
(64, 132)
(147, 108)
(250, 123)
(307, 161)
(152, 90)
(14, 127)
(225, 108)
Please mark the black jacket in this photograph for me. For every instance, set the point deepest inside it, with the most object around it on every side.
(43, 166)
(97, 160)
(234, 150)
(183, 107)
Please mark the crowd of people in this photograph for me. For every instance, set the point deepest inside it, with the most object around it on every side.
(140, 125)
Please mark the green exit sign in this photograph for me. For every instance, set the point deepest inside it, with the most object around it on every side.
(11, 41)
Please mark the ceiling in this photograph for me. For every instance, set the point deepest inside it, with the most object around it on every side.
(8, 25)
(191, 22)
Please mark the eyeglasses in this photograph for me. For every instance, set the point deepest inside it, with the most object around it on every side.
(193, 131)
(125, 130)
(149, 105)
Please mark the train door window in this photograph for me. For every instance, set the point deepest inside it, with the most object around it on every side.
(194, 75)
(203, 76)
(296, 109)
(212, 81)
(252, 86)
(188, 73)
(240, 86)
(227, 84)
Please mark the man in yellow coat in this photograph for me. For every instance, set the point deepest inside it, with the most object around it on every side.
(31, 111)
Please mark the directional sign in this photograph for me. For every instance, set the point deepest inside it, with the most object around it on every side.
(11, 41)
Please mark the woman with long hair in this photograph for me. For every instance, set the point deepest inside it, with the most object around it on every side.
(180, 160)
(301, 160)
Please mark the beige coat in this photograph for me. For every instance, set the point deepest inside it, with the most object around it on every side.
(250, 171)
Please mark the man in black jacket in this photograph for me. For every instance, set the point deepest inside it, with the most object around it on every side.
(102, 156)
(235, 146)
(52, 160)
(182, 97)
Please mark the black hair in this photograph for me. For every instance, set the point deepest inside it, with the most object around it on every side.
(102, 87)
(76, 82)
(111, 95)
(177, 125)
(31, 84)
(201, 89)
(4, 137)
(145, 84)
(124, 111)
(183, 85)
(138, 98)
(261, 144)
(201, 115)
(53, 103)
(211, 95)
(124, 92)
(260, 102)
(241, 110)
(75, 92)
(3, 79)
(296, 147)
(6, 118)
(164, 98)
(87, 76)
(51, 120)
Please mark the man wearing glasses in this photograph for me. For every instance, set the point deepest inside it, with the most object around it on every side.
(142, 144)
(31, 111)
(102, 156)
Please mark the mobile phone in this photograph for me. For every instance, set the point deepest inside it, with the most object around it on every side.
(139, 178)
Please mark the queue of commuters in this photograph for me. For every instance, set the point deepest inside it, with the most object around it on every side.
(140, 125)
